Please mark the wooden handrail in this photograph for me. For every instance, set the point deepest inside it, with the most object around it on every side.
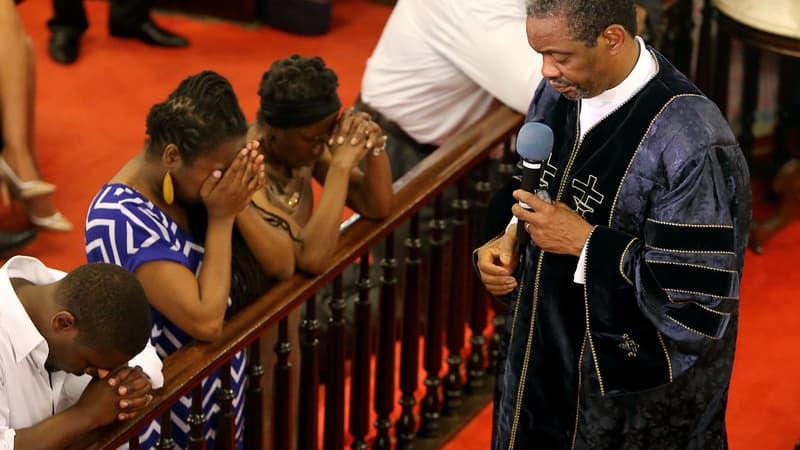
(189, 365)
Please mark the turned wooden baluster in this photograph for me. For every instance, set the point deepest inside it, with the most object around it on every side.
(509, 160)
(309, 378)
(359, 382)
(384, 381)
(226, 425)
(721, 80)
(406, 425)
(704, 67)
(197, 420)
(674, 35)
(254, 406)
(453, 383)
(476, 362)
(282, 424)
(497, 351)
(431, 403)
(496, 342)
(335, 377)
(749, 100)
(165, 441)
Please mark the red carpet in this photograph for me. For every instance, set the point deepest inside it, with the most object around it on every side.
(90, 119)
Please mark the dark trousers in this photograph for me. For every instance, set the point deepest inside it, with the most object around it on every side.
(403, 151)
(125, 15)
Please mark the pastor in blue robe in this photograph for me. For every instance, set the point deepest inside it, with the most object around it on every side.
(640, 356)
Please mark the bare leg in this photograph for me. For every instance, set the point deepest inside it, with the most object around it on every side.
(41, 205)
(17, 102)
(31, 104)
(15, 88)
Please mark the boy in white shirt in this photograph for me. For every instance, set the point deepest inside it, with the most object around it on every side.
(65, 340)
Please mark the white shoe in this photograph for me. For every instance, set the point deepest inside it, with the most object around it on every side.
(24, 189)
(55, 222)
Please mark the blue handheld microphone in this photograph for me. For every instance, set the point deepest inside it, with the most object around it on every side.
(534, 144)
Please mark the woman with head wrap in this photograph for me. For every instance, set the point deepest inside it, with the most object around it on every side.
(302, 135)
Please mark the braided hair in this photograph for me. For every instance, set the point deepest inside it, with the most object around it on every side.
(200, 114)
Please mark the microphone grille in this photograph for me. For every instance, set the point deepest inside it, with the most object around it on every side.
(534, 141)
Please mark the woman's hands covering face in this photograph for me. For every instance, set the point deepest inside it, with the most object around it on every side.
(227, 194)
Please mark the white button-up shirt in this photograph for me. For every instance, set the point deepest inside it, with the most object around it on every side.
(28, 392)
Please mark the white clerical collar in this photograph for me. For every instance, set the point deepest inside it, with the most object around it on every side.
(595, 109)
(644, 70)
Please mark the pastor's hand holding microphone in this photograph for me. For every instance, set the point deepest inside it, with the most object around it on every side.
(553, 227)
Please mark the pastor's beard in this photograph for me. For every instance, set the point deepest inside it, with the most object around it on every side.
(562, 84)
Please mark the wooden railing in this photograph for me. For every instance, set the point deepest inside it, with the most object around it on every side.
(450, 278)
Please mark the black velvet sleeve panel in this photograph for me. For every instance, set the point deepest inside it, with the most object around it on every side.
(688, 275)
(692, 238)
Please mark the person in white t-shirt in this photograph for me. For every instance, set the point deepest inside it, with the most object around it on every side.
(440, 65)
(65, 340)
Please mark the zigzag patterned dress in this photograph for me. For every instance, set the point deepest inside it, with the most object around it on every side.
(125, 228)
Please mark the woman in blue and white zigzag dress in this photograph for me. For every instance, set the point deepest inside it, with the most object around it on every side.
(144, 220)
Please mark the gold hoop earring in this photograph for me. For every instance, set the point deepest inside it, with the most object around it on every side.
(167, 190)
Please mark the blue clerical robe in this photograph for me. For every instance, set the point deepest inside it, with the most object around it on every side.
(639, 357)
